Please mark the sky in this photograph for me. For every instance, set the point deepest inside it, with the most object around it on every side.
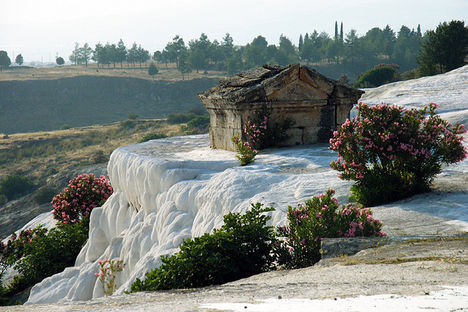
(42, 29)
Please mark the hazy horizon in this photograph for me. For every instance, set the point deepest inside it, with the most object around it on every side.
(40, 30)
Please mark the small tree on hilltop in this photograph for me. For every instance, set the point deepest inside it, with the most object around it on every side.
(19, 59)
(85, 53)
(184, 66)
(152, 70)
(59, 60)
(393, 153)
(5, 61)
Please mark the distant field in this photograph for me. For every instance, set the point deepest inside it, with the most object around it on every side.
(169, 73)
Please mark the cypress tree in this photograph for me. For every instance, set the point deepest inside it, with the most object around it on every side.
(336, 31)
(341, 33)
(301, 43)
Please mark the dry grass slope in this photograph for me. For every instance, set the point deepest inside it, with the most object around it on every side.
(39, 154)
(169, 73)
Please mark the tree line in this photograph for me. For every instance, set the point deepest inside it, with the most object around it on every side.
(109, 54)
(433, 52)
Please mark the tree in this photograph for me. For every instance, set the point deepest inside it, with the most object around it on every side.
(132, 54)
(152, 70)
(406, 48)
(59, 60)
(216, 54)
(332, 50)
(85, 53)
(311, 48)
(341, 33)
(100, 55)
(255, 52)
(227, 46)
(157, 56)
(351, 44)
(288, 50)
(444, 49)
(301, 43)
(336, 38)
(5, 61)
(183, 65)
(74, 57)
(200, 52)
(121, 52)
(19, 59)
(388, 40)
(234, 64)
(175, 49)
(142, 55)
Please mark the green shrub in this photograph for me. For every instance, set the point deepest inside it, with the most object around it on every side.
(14, 186)
(18, 245)
(127, 124)
(44, 195)
(98, 157)
(52, 253)
(410, 74)
(37, 254)
(3, 199)
(65, 127)
(197, 125)
(152, 136)
(392, 153)
(318, 218)
(240, 248)
(246, 154)
(3, 294)
(180, 118)
(377, 76)
(51, 171)
(132, 116)
(198, 110)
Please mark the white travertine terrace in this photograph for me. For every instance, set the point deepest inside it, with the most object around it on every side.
(171, 189)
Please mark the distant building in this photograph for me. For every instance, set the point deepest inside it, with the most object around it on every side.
(316, 104)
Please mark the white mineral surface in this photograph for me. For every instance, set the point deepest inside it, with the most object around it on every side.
(171, 189)
(447, 300)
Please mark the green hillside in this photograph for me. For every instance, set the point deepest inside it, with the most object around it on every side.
(42, 105)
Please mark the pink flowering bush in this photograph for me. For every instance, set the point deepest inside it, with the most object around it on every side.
(108, 270)
(261, 131)
(321, 217)
(18, 245)
(84, 193)
(393, 153)
(246, 152)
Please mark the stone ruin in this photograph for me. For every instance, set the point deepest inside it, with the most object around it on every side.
(316, 105)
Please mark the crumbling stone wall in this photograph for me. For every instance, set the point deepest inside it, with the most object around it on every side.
(316, 104)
